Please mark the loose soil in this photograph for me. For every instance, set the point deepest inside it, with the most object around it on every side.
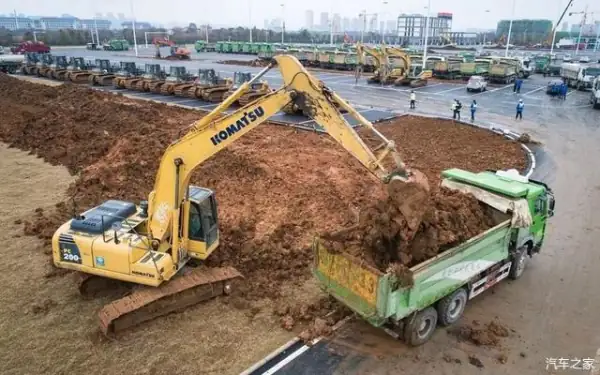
(487, 335)
(276, 187)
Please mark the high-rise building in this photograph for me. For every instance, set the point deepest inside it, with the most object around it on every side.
(411, 28)
(337, 23)
(309, 20)
(525, 31)
(372, 27)
(390, 27)
(324, 21)
(356, 24)
(346, 24)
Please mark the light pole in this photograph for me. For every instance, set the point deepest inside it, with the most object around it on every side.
(485, 33)
(250, 18)
(364, 16)
(282, 23)
(383, 7)
(426, 34)
(510, 28)
(135, 47)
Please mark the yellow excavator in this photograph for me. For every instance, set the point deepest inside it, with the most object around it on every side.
(414, 75)
(385, 73)
(154, 244)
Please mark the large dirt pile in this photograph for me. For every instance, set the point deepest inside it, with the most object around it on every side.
(276, 187)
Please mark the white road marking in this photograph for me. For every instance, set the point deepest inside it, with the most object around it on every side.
(493, 90)
(532, 91)
(453, 89)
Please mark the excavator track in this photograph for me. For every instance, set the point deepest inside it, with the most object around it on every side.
(178, 90)
(193, 92)
(140, 86)
(250, 97)
(60, 75)
(105, 80)
(167, 89)
(130, 84)
(155, 87)
(214, 95)
(193, 286)
(79, 77)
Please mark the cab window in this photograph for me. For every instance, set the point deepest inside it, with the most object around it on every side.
(540, 205)
(208, 210)
(195, 227)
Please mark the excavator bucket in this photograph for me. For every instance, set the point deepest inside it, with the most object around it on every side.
(193, 286)
(411, 197)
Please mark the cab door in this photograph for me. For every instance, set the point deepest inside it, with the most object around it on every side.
(540, 210)
(203, 228)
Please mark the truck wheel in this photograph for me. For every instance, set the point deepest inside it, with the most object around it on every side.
(420, 328)
(451, 307)
(519, 263)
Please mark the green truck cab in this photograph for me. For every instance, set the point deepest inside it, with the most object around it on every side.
(441, 286)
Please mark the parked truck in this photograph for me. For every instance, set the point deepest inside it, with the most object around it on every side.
(480, 67)
(11, 63)
(579, 76)
(449, 69)
(441, 286)
(502, 73)
(595, 97)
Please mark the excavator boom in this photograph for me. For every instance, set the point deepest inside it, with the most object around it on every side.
(212, 133)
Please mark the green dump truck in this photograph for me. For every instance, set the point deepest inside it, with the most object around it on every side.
(480, 67)
(116, 45)
(441, 286)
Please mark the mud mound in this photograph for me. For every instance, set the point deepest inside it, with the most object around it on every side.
(488, 335)
(276, 187)
(384, 238)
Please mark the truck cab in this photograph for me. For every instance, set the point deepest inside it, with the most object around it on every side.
(595, 96)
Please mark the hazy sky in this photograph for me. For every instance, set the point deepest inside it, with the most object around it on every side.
(467, 13)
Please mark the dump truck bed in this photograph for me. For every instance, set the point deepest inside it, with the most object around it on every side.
(376, 296)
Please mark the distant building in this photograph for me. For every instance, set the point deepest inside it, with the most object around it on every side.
(346, 24)
(390, 27)
(564, 26)
(138, 25)
(356, 24)
(309, 20)
(88, 24)
(324, 21)
(58, 23)
(525, 31)
(337, 23)
(411, 29)
(12, 23)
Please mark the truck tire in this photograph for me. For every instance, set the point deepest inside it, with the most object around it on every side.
(419, 329)
(451, 308)
(519, 263)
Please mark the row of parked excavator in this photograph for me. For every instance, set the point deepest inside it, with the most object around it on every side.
(206, 85)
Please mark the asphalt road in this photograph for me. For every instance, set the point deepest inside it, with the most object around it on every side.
(553, 308)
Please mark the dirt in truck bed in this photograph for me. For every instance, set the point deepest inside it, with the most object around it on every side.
(276, 187)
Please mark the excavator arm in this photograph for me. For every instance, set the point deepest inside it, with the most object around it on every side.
(214, 132)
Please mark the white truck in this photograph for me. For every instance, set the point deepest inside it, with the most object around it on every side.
(595, 98)
(579, 76)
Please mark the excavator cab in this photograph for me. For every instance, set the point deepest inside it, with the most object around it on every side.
(31, 60)
(202, 223)
(177, 73)
(127, 69)
(152, 71)
(102, 66)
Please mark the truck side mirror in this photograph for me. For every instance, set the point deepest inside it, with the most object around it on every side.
(551, 207)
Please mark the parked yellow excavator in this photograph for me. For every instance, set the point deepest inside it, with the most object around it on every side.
(385, 73)
(152, 244)
(386, 69)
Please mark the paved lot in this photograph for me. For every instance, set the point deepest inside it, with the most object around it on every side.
(499, 99)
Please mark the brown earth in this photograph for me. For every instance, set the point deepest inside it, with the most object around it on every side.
(276, 187)
(487, 335)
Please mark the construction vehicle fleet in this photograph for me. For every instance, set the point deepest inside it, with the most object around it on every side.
(152, 243)
(579, 76)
